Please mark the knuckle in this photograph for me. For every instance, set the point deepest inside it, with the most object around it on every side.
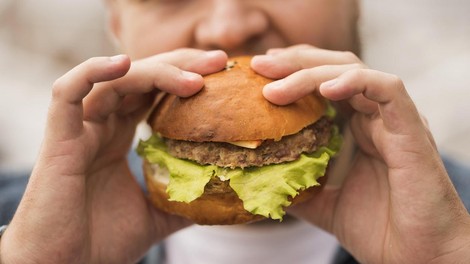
(187, 51)
(424, 120)
(300, 50)
(303, 46)
(397, 82)
(357, 74)
(58, 88)
(350, 56)
(182, 50)
(359, 65)
(90, 61)
(62, 87)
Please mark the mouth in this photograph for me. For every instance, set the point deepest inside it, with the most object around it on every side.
(254, 46)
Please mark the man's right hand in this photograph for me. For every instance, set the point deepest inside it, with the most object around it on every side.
(82, 204)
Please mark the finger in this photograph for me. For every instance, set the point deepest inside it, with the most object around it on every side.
(274, 51)
(303, 82)
(398, 111)
(108, 98)
(170, 72)
(425, 121)
(178, 72)
(363, 104)
(194, 60)
(66, 111)
(281, 63)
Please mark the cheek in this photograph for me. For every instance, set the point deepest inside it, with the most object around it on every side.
(302, 24)
(311, 22)
(297, 32)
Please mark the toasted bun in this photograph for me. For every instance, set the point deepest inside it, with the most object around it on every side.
(218, 205)
(231, 107)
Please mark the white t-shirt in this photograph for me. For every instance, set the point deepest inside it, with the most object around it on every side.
(293, 241)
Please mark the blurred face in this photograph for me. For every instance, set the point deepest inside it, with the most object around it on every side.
(147, 27)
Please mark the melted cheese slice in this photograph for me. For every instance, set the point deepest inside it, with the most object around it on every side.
(251, 144)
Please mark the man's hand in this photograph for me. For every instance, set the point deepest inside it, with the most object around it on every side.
(397, 203)
(82, 204)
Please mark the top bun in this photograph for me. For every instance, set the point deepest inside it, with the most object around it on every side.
(231, 107)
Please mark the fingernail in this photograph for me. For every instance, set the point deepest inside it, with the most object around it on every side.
(276, 85)
(190, 75)
(256, 58)
(274, 51)
(263, 57)
(118, 58)
(329, 84)
(213, 53)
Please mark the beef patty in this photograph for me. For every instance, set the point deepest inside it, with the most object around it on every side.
(223, 154)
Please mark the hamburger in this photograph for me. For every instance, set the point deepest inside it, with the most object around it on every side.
(228, 156)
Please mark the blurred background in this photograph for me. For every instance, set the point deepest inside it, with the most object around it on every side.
(425, 42)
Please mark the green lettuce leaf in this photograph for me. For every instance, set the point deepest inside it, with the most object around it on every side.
(264, 191)
(187, 179)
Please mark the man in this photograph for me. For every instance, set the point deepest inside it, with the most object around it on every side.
(82, 203)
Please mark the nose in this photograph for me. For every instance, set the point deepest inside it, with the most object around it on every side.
(229, 24)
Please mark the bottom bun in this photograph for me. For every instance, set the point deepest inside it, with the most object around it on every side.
(218, 205)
